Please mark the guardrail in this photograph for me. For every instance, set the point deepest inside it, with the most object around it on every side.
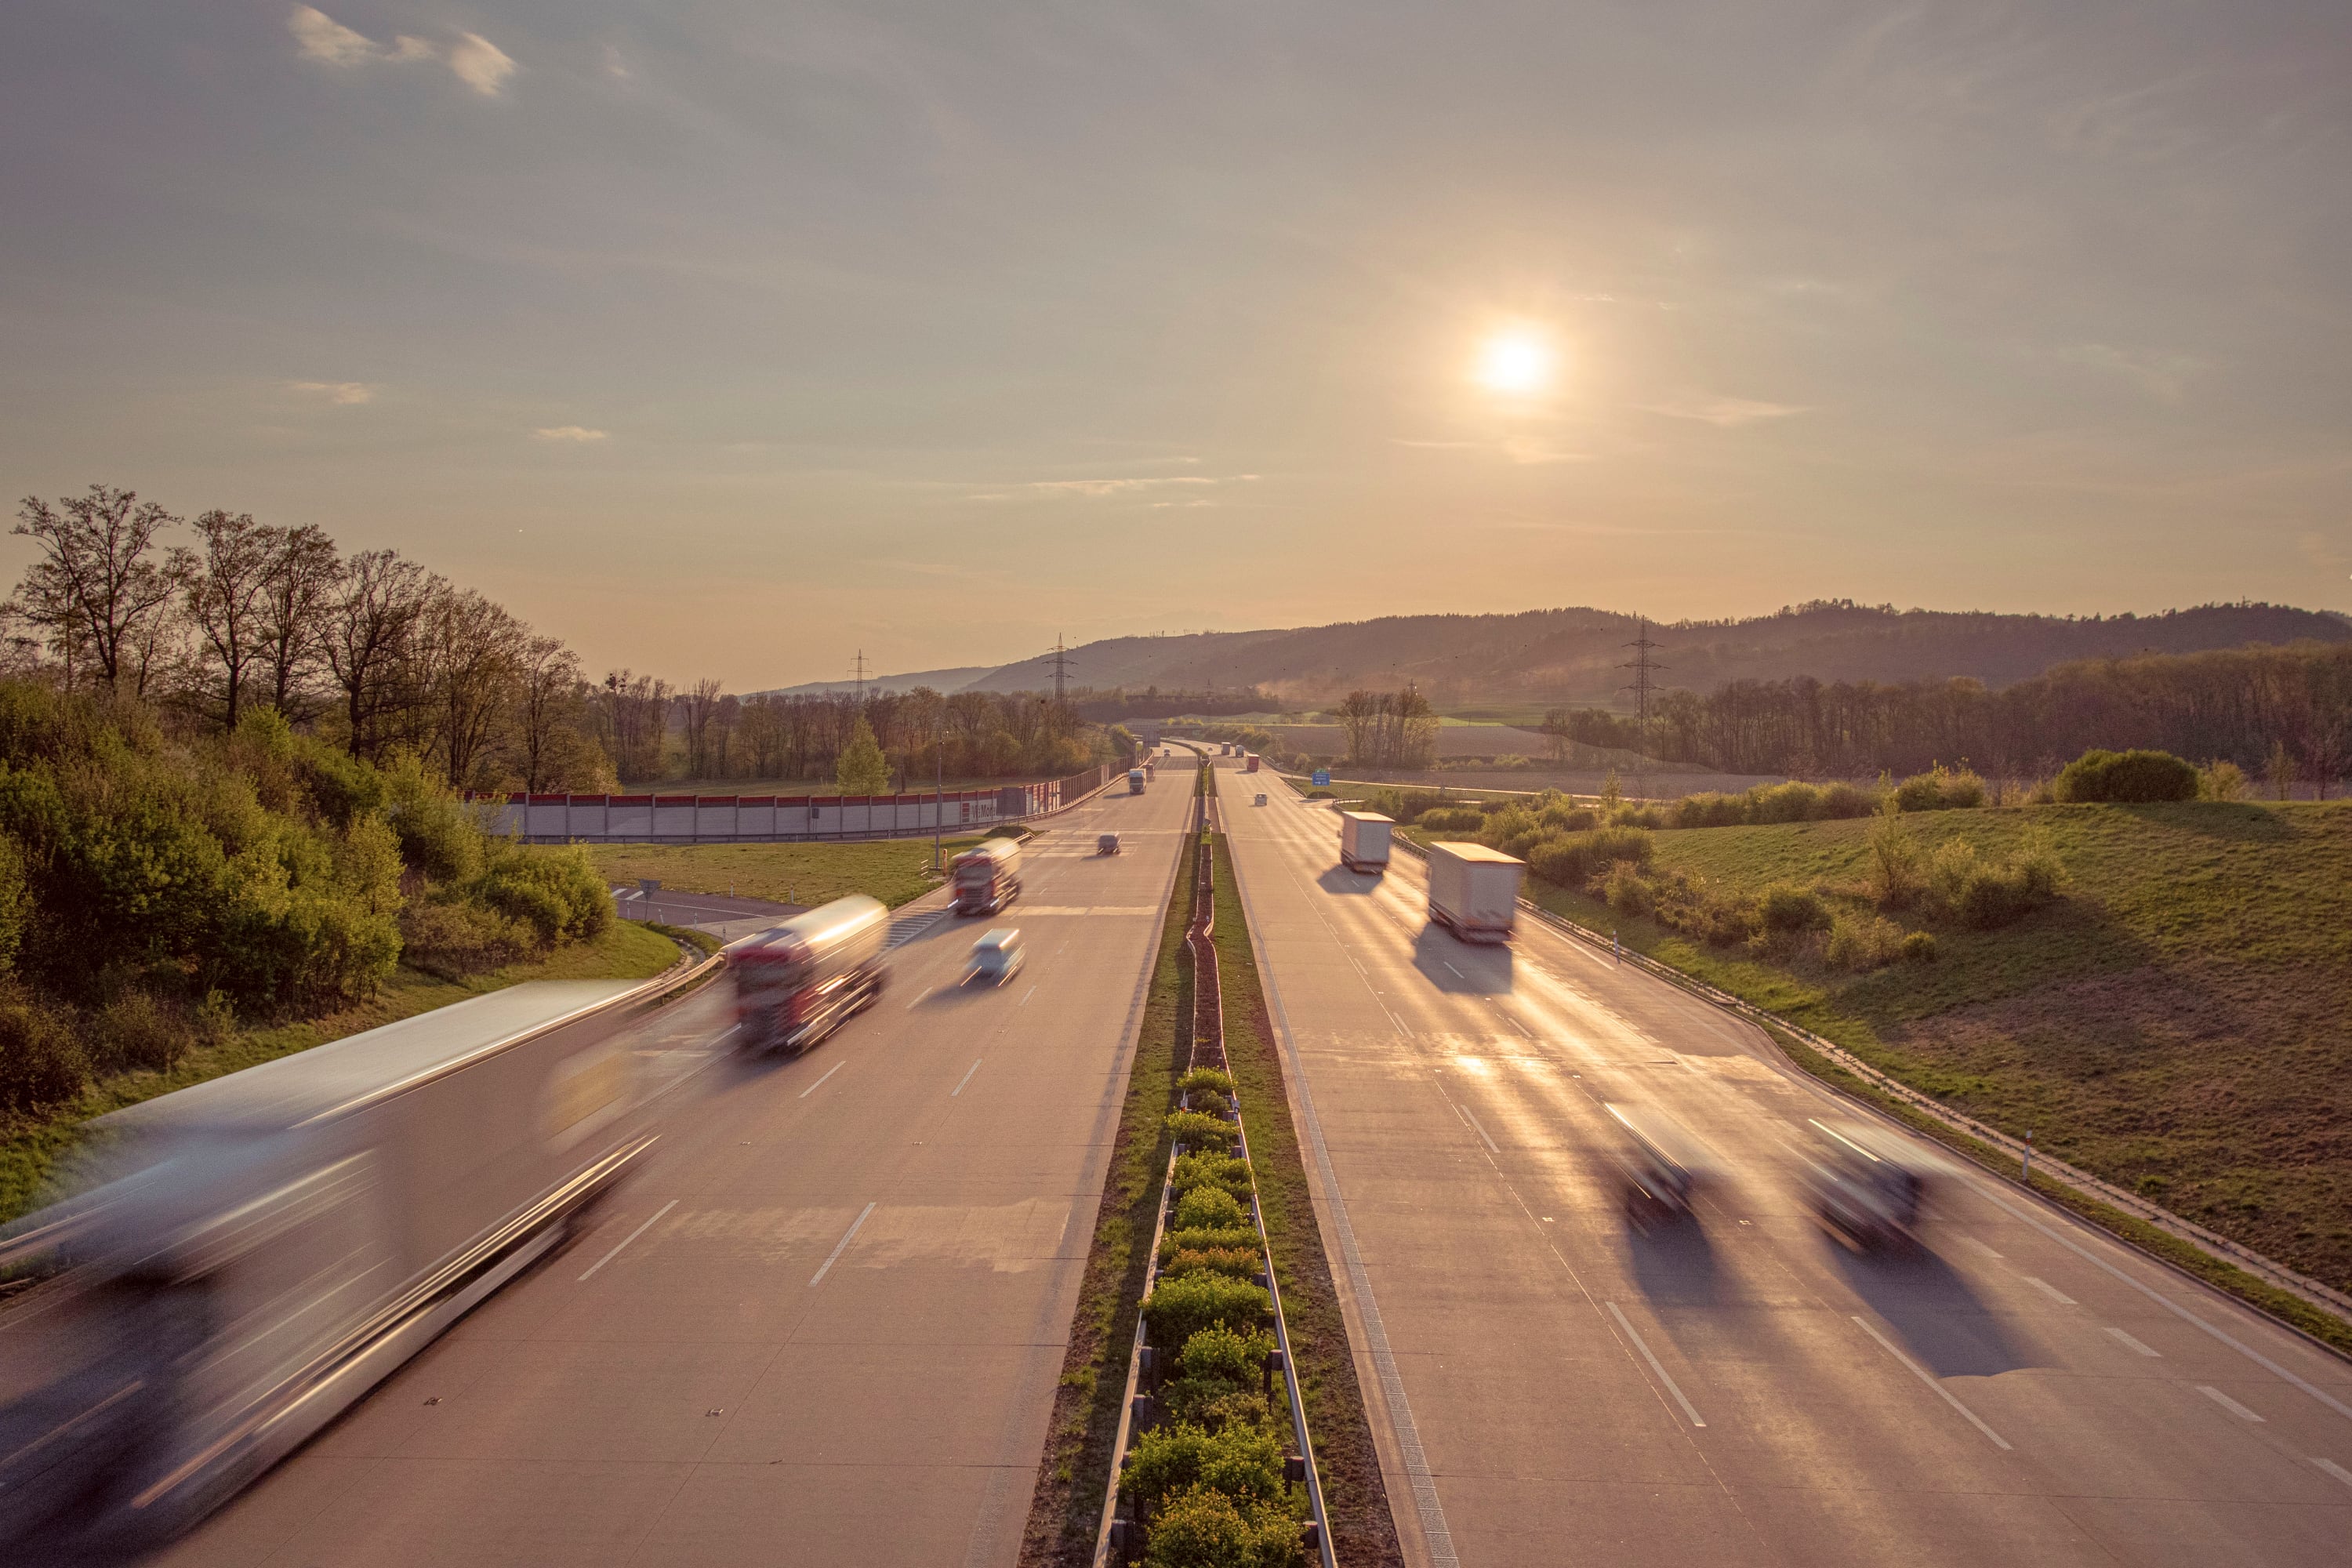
(780, 818)
(1119, 1539)
(2268, 1270)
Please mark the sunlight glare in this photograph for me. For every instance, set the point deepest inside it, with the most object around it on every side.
(1517, 361)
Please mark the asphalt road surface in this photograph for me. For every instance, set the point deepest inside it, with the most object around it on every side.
(1556, 1387)
(824, 1323)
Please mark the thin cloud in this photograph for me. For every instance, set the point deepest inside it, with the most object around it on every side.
(342, 393)
(578, 434)
(1725, 413)
(1096, 487)
(477, 62)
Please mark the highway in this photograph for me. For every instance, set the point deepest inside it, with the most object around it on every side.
(1553, 1387)
(824, 1323)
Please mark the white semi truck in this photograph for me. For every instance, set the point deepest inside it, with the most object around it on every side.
(988, 878)
(799, 982)
(1364, 840)
(1474, 891)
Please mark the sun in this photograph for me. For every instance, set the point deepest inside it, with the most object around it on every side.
(1518, 362)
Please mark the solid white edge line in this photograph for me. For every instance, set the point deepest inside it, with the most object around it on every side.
(717, 1038)
(1924, 1375)
(846, 1237)
(965, 1079)
(1026, 995)
(1647, 1354)
(1467, 1115)
(2226, 1402)
(628, 1239)
(2332, 1468)
(820, 1082)
(2145, 1349)
(2169, 1305)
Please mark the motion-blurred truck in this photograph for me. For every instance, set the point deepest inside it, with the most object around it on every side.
(1474, 891)
(988, 878)
(1870, 1185)
(1364, 841)
(799, 982)
(1661, 1164)
(253, 1254)
(1135, 781)
(1249, 761)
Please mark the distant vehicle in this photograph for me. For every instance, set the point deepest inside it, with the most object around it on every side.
(1260, 800)
(274, 1243)
(988, 878)
(1869, 1185)
(798, 982)
(1135, 781)
(1364, 841)
(1474, 891)
(1661, 1163)
(1106, 844)
(1249, 761)
(998, 955)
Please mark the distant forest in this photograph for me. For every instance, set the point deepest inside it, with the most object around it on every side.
(2260, 707)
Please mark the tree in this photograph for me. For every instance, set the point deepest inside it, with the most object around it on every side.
(298, 585)
(469, 657)
(95, 596)
(224, 583)
(371, 644)
(861, 769)
(546, 705)
(701, 703)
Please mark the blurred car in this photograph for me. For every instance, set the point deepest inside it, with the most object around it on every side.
(998, 955)
(1869, 1185)
(1106, 844)
(1661, 1164)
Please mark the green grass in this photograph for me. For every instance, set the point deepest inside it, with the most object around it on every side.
(891, 870)
(1067, 1507)
(1355, 1498)
(2179, 1023)
(32, 1146)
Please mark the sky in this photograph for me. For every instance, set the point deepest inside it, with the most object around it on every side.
(731, 338)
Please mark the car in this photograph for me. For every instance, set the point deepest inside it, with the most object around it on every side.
(1106, 844)
(998, 955)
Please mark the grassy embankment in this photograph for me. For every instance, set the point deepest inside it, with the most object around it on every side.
(2176, 1023)
(31, 1146)
(894, 871)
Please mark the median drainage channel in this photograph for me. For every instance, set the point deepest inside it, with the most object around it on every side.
(1203, 1455)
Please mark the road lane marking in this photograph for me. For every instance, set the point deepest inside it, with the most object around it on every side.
(1453, 972)
(965, 1079)
(1642, 1345)
(2050, 1291)
(1930, 1378)
(2226, 1402)
(1024, 997)
(1464, 1111)
(2123, 1338)
(846, 1237)
(2332, 1468)
(2169, 1305)
(820, 1083)
(628, 1239)
(926, 990)
(729, 1032)
(1980, 1247)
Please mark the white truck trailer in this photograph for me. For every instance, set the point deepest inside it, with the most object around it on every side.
(1474, 891)
(1135, 781)
(1364, 840)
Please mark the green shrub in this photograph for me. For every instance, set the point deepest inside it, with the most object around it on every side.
(1649, 818)
(1245, 1463)
(1862, 943)
(1207, 1528)
(1209, 1208)
(457, 939)
(2220, 779)
(1574, 859)
(1453, 819)
(2130, 777)
(1940, 789)
(1896, 878)
(1788, 910)
(1709, 809)
(134, 1032)
(556, 892)
(1235, 1262)
(1949, 868)
(1784, 803)
(1919, 947)
(1211, 1168)
(439, 835)
(1178, 1309)
(1994, 896)
(1205, 1238)
(1844, 800)
(1198, 1129)
(1206, 1077)
(1628, 891)
(41, 1059)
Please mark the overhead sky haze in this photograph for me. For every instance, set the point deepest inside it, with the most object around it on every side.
(729, 338)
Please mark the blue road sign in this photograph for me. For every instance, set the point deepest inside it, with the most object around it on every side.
(1322, 777)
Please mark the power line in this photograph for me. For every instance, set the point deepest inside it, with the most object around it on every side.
(1643, 666)
(1062, 661)
(857, 674)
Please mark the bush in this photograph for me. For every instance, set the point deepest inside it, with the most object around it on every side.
(2127, 777)
(455, 941)
(1572, 859)
(1211, 1168)
(1865, 941)
(1206, 1529)
(1206, 1077)
(1940, 789)
(1178, 1309)
(1204, 1239)
(1919, 947)
(1843, 800)
(1993, 896)
(134, 1032)
(1199, 1130)
(1784, 803)
(2219, 780)
(1649, 817)
(1234, 1262)
(1209, 1208)
(41, 1062)
(1453, 819)
(1788, 910)
(1628, 892)
(1710, 810)
(555, 892)
(1895, 878)
(1243, 1463)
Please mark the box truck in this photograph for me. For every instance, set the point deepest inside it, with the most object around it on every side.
(257, 1252)
(1364, 840)
(1474, 891)
(987, 878)
(797, 983)
(1135, 781)
(1249, 761)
